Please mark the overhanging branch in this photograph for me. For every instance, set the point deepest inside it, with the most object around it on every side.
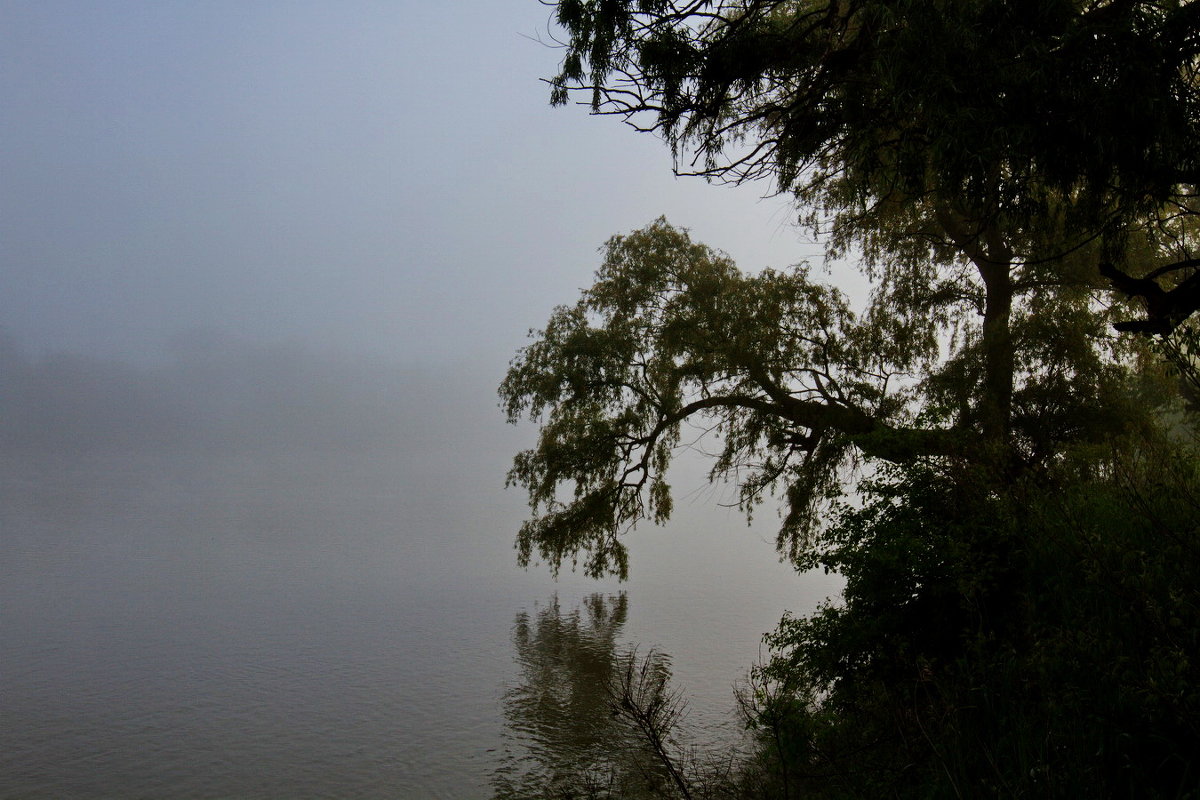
(1165, 309)
(872, 436)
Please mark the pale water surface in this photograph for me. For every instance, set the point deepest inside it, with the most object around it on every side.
(336, 625)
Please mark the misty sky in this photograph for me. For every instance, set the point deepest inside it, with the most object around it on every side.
(380, 177)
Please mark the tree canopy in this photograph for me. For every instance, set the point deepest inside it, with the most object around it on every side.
(793, 384)
(1017, 179)
(997, 168)
(1008, 130)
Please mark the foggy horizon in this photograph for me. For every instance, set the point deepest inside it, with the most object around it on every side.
(218, 391)
(384, 179)
(262, 269)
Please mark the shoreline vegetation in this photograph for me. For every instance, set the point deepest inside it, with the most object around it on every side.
(998, 451)
(1042, 644)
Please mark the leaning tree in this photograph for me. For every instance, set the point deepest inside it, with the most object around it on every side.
(997, 168)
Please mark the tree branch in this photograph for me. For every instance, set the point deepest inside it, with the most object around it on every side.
(1165, 310)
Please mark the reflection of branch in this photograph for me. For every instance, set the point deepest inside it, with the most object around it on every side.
(640, 696)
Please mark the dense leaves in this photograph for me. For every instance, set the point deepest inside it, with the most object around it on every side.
(1021, 548)
(789, 383)
(1020, 529)
(1039, 642)
(993, 167)
(669, 332)
(964, 121)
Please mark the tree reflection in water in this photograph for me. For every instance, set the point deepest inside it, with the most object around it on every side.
(562, 737)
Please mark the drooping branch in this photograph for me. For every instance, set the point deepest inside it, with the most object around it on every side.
(1093, 106)
(671, 334)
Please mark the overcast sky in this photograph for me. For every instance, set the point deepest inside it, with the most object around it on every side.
(382, 177)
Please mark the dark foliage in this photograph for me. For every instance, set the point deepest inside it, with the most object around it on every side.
(1021, 615)
(1042, 642)
(992, 115)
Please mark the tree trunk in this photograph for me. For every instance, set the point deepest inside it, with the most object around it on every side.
(995, 406)
(985, 246)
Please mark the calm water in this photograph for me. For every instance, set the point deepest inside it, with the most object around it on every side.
(336, 625)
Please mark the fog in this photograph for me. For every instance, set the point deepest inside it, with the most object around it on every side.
(262, 268)
(304, 225)
(215, 393)
(360, 179)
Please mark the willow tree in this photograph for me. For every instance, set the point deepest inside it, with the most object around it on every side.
(996, 168)
(976, 122)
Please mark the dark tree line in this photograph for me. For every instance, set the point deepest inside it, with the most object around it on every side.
(1018, 181)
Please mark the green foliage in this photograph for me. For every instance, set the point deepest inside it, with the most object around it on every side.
(1011, 129)
(792, 386)
(940, 144)
(671, 330)
(976, 101)
(1021, 615)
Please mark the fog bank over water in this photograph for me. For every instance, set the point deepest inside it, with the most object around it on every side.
(262, 267)
(254, 570)
(376, 177)
(216, 391)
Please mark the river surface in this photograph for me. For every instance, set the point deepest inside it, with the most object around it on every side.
(331, 624)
